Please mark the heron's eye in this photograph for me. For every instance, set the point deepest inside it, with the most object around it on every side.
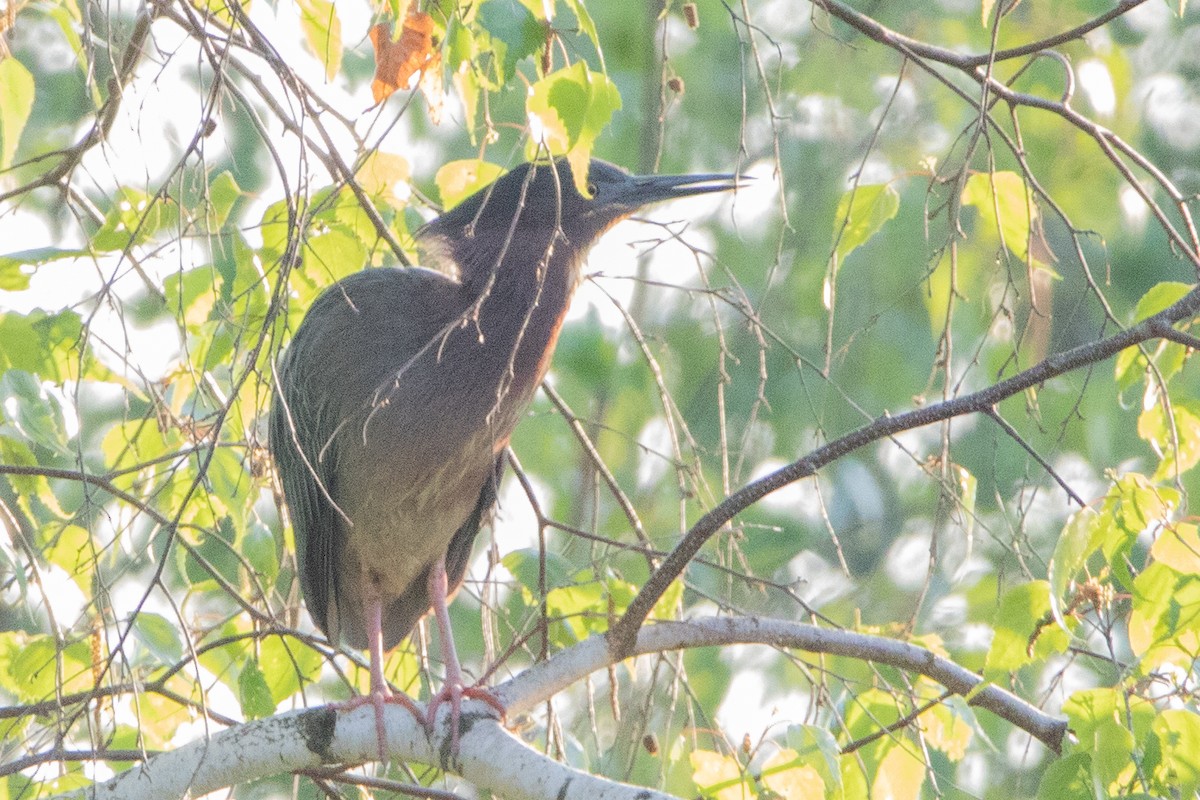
(591, 187)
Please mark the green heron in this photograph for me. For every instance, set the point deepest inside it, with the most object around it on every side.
(401, 388)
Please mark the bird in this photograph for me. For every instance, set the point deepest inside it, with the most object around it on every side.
(401, 387)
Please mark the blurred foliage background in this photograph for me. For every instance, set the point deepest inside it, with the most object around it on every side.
(179, 180)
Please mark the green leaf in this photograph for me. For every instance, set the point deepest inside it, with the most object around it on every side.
(901, 772)
(586, 25)
(284, 664)
(67, 16)
(567, 110)
(1079, 539)
(936, 296)
(71, 549)
(332, 254)
(469, 83)
(515, 33)
(134, 218)
(33, 664)
(232, 488)
(524, 565)
(46, 345)
(458, 180)
(340, 209)
(1178, 446)
(886, 767)
(1068, 778)
(253, 692)
(860, 214)
(323, 33)
(949, 727)
(12, 644)
(223, 192)
(16, 103)
(31, 413)
(32, 668)
(1160, 297)
(159, 635)
(1022, 633)
(1179, 548)
(1112, 749)
(462, 48)
(1178, 734)
(1006, 208)
(579, 606)
(73, 781)
(275, 227)
(17, 268)
(1128, 368)
(1088, 710)
(817, 748)
(1168, 356)
(243, 283)
(15, 451)
(191, 295)
(968, 489)
(870, 710)
(134, 442)
(668, 605)
(1164, 623)
(261, 550)
(1132, 505)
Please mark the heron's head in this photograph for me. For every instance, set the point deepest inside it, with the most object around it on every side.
(536, 209)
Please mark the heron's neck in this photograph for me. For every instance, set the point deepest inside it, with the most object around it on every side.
(517, 295)
(522, 304)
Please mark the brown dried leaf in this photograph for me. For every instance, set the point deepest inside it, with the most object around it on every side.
(397, 60)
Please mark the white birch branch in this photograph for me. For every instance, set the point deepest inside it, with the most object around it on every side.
(495, 760)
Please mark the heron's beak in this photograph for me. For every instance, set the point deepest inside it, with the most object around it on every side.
(645, 189)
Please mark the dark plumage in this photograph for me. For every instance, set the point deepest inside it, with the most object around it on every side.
(401, 388)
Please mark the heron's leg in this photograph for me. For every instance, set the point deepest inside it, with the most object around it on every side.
(381, 693)
(453, 689)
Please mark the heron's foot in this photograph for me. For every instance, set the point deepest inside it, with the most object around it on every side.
(379, 698)
(453, 692)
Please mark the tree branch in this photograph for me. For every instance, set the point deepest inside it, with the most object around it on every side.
(495, 760)
(303, 741)
(105, 116)
(622, 636)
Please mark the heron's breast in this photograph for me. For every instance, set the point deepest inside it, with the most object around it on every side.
(403, 522)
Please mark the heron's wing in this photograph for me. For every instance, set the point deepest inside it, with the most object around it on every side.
(348, 345)
(402, 615)
(308, 477)
(458, 554)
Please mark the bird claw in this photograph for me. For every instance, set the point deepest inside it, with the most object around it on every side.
(453, 692)
(379, 698)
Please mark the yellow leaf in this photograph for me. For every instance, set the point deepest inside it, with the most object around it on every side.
(1006, 208)
(900, 776)
(1179, 548)
(458, 180)
(323, 32)
(937, 296)
(666, 606)
(722, 776)
(792, 780)
(947, 731)
(72, 550)
(380, 173)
